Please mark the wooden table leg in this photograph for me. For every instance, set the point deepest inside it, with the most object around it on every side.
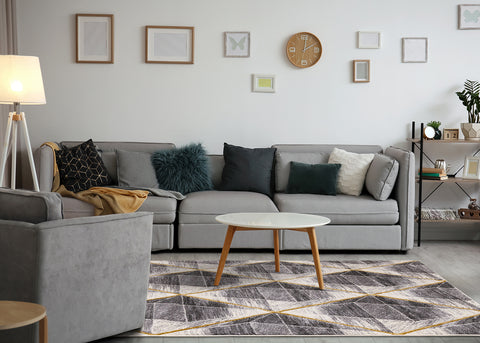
(316, 256)
(225, 250)
(276, 244)
(43, 330)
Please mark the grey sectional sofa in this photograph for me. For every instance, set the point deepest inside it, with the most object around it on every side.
(357, 222)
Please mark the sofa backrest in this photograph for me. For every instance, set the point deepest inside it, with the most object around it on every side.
(107, 151)
(311, 154)
(28, 206)
(216, 164)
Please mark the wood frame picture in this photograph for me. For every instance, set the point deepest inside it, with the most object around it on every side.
(469, 17)
(169, 44)
(368, 40)
(450, 134)
(94, 38)
(263, 83)
(361, 71)
(236, 44)
(415, 50)
(471, 168)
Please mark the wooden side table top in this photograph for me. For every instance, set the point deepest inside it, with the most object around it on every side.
(15, 314)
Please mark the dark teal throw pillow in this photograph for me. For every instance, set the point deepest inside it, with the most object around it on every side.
(313, 178)
(183, 170)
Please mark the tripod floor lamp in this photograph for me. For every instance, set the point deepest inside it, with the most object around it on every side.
(20, 83)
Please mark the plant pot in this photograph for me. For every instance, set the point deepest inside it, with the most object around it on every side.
(471, 131)
(438, 134)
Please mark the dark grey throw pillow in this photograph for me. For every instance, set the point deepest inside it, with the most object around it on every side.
(247, 169)
(313, 178)
(81, 167)
(183, 170)
(135, 169)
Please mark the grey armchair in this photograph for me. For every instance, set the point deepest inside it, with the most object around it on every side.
(90, 273)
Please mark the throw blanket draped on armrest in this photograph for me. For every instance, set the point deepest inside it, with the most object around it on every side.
(106, 200)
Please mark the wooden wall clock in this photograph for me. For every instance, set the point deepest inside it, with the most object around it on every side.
(304, 49)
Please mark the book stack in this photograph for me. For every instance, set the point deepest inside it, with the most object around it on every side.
(433, 174)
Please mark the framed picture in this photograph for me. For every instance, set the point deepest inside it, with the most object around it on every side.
(471, 168)
(361, 71)
(237, 44)
(263, 83)
(169, 44)
(469, 17)
(414, 50)
(450, 134)
(94, 38)
(368, 40)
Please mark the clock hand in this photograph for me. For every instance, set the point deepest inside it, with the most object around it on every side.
(305, 49)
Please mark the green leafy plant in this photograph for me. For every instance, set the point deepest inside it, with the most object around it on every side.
(435, 124)
(470, 98)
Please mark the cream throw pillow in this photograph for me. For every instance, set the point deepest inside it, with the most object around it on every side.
(351, 176)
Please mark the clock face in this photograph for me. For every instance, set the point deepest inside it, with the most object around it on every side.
(304, 49)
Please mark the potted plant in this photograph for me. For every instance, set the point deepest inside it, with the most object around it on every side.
(436, 124)
(470, 98)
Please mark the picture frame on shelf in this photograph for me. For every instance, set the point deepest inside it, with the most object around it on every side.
(415, 50)
(94, 38)
(169, 44)
(368, 40)
(237, 44)
(263, 83)
(450, 134)
(471, 168)
(469, 17)
(361, 71)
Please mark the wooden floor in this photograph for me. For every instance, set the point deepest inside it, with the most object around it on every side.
(457, 262)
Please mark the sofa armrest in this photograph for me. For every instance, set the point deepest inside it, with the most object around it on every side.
(404, 193)
(80, 269)
(44, 162)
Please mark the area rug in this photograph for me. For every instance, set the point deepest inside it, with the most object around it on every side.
(361, 298)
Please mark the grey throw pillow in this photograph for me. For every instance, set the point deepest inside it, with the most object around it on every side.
(381, 176)
(135, 169)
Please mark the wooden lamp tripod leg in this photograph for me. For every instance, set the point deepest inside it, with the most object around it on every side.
(3, 162)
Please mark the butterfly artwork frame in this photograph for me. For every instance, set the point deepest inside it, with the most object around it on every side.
(469, 17)
(237, 44)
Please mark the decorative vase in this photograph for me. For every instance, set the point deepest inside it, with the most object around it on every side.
(438, 134)
(471, 131)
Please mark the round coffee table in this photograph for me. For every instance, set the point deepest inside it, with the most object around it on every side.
(15, 314)
(271, 221)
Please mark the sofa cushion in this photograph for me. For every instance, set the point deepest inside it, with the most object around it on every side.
(184, 170)
(135, 169)
(351, 176)
(164, 209)
(81, 167)
(341, 209)
(28, 206)
(203, 207)
(313, 178)
(381, 176)
(247, 169)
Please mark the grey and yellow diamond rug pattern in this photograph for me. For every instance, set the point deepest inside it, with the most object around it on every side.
(361, 298)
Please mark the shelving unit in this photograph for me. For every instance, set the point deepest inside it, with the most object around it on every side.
(418, 143)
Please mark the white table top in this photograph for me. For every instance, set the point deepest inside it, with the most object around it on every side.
(276, 220)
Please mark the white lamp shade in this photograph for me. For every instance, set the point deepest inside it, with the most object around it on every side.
(21, 80)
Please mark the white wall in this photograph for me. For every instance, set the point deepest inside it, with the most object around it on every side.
(211, 101)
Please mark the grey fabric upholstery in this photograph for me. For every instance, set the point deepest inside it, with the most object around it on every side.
(341, 209)
(381, 176)
(31, 207)
(404, 193)
(91, 274)
(199, 229)
(135, 169)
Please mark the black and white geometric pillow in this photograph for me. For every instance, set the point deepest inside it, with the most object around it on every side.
(81, 167)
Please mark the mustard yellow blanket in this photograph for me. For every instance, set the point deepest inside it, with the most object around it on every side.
(106, 200)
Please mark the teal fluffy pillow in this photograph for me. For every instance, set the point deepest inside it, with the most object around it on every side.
(183, 170)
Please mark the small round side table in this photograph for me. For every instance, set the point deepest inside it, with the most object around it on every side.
(15, 314)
